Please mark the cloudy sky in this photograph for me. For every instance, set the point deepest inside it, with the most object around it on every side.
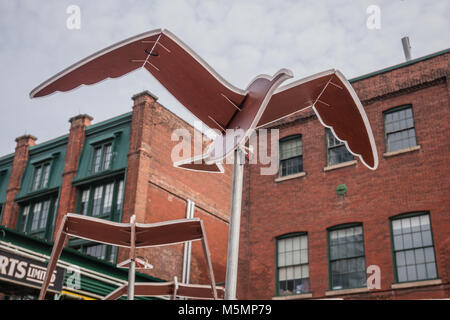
(239, 39)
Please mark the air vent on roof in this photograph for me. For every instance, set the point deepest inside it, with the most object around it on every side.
(406, 48)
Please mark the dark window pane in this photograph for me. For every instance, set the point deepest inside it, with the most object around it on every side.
(44, 215)
(84, 202)
(337, 151)
(46, 175)
(107, 203)
(107, 154)
(290, 148)
(290, 285)
(25, 216)
(37, 177)
(120, 195)
(36, 212)
(346, 271)
(98, 193)
(97, 158)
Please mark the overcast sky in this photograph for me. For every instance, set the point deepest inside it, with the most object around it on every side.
(239, 39)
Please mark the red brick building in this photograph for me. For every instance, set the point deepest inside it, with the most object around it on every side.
(312, 230)
(113, 169)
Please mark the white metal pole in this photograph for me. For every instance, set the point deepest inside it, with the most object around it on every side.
(131, 277)
(234, 228)
(132, 268)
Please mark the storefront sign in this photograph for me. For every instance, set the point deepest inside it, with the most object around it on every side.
(19, 269)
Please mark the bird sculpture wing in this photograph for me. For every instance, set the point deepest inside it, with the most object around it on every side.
(177, 67)
(337, 106)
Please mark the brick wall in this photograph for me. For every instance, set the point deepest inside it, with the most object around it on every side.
(156, 191)
(413, 181)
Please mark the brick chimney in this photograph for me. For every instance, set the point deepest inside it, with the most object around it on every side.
(68, 196)
(135, 200)
(21, 155)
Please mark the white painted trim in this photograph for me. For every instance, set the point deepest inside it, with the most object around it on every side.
(401, 151)
(294, 297)
(346, 291)
(292, 176)
(416, 284)
(340, 165)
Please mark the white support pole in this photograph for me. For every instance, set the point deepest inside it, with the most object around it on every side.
(234, 228)
(132, 267)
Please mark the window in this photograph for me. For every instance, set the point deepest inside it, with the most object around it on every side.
(99, 251)
(41, 176)
(102, 157)
(36, 218)
(336, 150)
(413, 248)
(399, 129)
(347, 259)
(291, 158)
(102, 200)
(84, 201)
(292, 265)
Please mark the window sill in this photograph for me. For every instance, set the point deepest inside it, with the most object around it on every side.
(401, 151)
(416, 284)
(346, 291)
(340, 165)
(293, 296)
(289, 177)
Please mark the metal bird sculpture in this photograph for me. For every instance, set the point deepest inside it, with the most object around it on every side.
(220, 105)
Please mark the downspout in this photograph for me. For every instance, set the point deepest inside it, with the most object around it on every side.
(190, 207)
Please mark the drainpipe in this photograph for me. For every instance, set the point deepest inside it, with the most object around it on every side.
(190, 207)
